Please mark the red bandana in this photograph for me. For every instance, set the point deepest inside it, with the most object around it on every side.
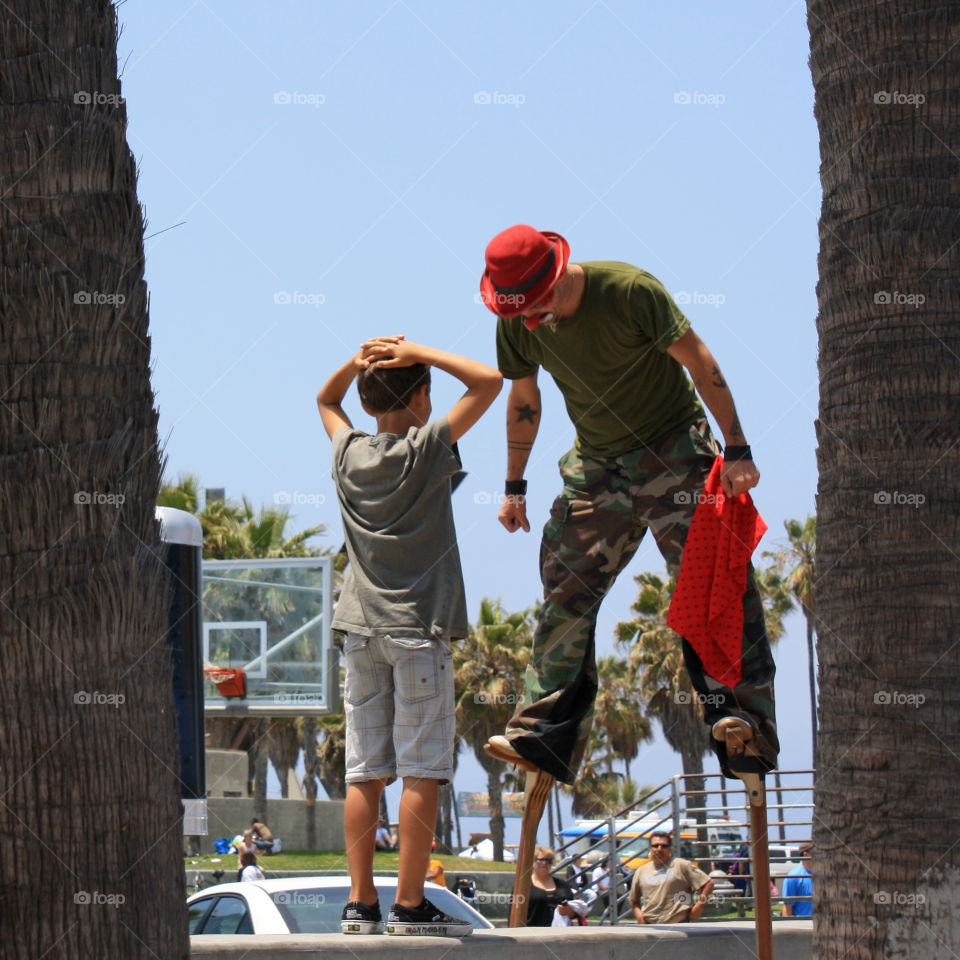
(707, 605)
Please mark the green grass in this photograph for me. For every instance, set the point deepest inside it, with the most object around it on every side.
(333, 860)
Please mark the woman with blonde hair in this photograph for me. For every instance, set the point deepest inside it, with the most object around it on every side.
(552, 899)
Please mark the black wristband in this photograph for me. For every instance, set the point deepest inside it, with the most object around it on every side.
(515, 488)
(737, 453)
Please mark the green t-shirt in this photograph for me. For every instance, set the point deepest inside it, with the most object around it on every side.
(622, 389)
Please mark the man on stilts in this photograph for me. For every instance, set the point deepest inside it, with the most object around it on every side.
(620, 351)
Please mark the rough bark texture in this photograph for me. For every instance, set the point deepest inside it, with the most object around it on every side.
(887, 862)
(90, 819)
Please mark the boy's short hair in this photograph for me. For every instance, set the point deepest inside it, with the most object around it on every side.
(385, 390)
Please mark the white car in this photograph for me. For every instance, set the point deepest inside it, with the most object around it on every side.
(300, 905)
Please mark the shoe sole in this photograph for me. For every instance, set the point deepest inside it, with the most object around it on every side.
(509, 756)
(362, 926)
(428, 930)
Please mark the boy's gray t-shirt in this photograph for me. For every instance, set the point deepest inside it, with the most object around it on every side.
(404, 572)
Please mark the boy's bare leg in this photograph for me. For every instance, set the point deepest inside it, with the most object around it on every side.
(418, 820)
(361, 814)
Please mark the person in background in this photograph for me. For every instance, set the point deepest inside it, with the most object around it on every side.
(249, 870)
(435, 871)
(799, 883)
(385, 839)
(548, 894)
(262, 836)
(668, 889)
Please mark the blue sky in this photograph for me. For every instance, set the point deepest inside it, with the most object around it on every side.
(337, 170)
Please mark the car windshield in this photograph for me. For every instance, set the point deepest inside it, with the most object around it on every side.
(317, 910)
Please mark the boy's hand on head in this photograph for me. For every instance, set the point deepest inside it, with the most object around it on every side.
(391, 352)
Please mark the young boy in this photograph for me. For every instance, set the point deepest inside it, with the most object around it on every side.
(402, 603)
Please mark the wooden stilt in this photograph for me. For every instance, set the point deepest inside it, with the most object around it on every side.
(737, 734)
(760, 861)
(536, 792)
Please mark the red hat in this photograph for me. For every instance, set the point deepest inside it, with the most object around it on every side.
(523, 266)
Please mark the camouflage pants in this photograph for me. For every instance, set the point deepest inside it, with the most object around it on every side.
(595, 527)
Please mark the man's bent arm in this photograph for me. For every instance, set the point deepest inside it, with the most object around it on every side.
(702, 898)
(738, 475)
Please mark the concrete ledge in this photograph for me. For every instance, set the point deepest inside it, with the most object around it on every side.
(733, 940)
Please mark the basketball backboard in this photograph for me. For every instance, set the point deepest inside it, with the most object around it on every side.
(270, 618)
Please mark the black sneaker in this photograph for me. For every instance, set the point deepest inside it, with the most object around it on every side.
(425, 921)
(357, 917)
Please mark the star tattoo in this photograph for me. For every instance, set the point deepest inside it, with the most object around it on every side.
(526, 412)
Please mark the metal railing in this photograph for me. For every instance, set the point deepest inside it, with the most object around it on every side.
(697, 819)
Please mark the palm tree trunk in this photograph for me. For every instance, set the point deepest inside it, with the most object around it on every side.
(886, 80)
(496, 805)
(456, 813)
(260, 756)
(91, 818)
(812, 677)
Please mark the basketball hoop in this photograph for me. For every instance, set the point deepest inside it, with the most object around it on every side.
(229, 682)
